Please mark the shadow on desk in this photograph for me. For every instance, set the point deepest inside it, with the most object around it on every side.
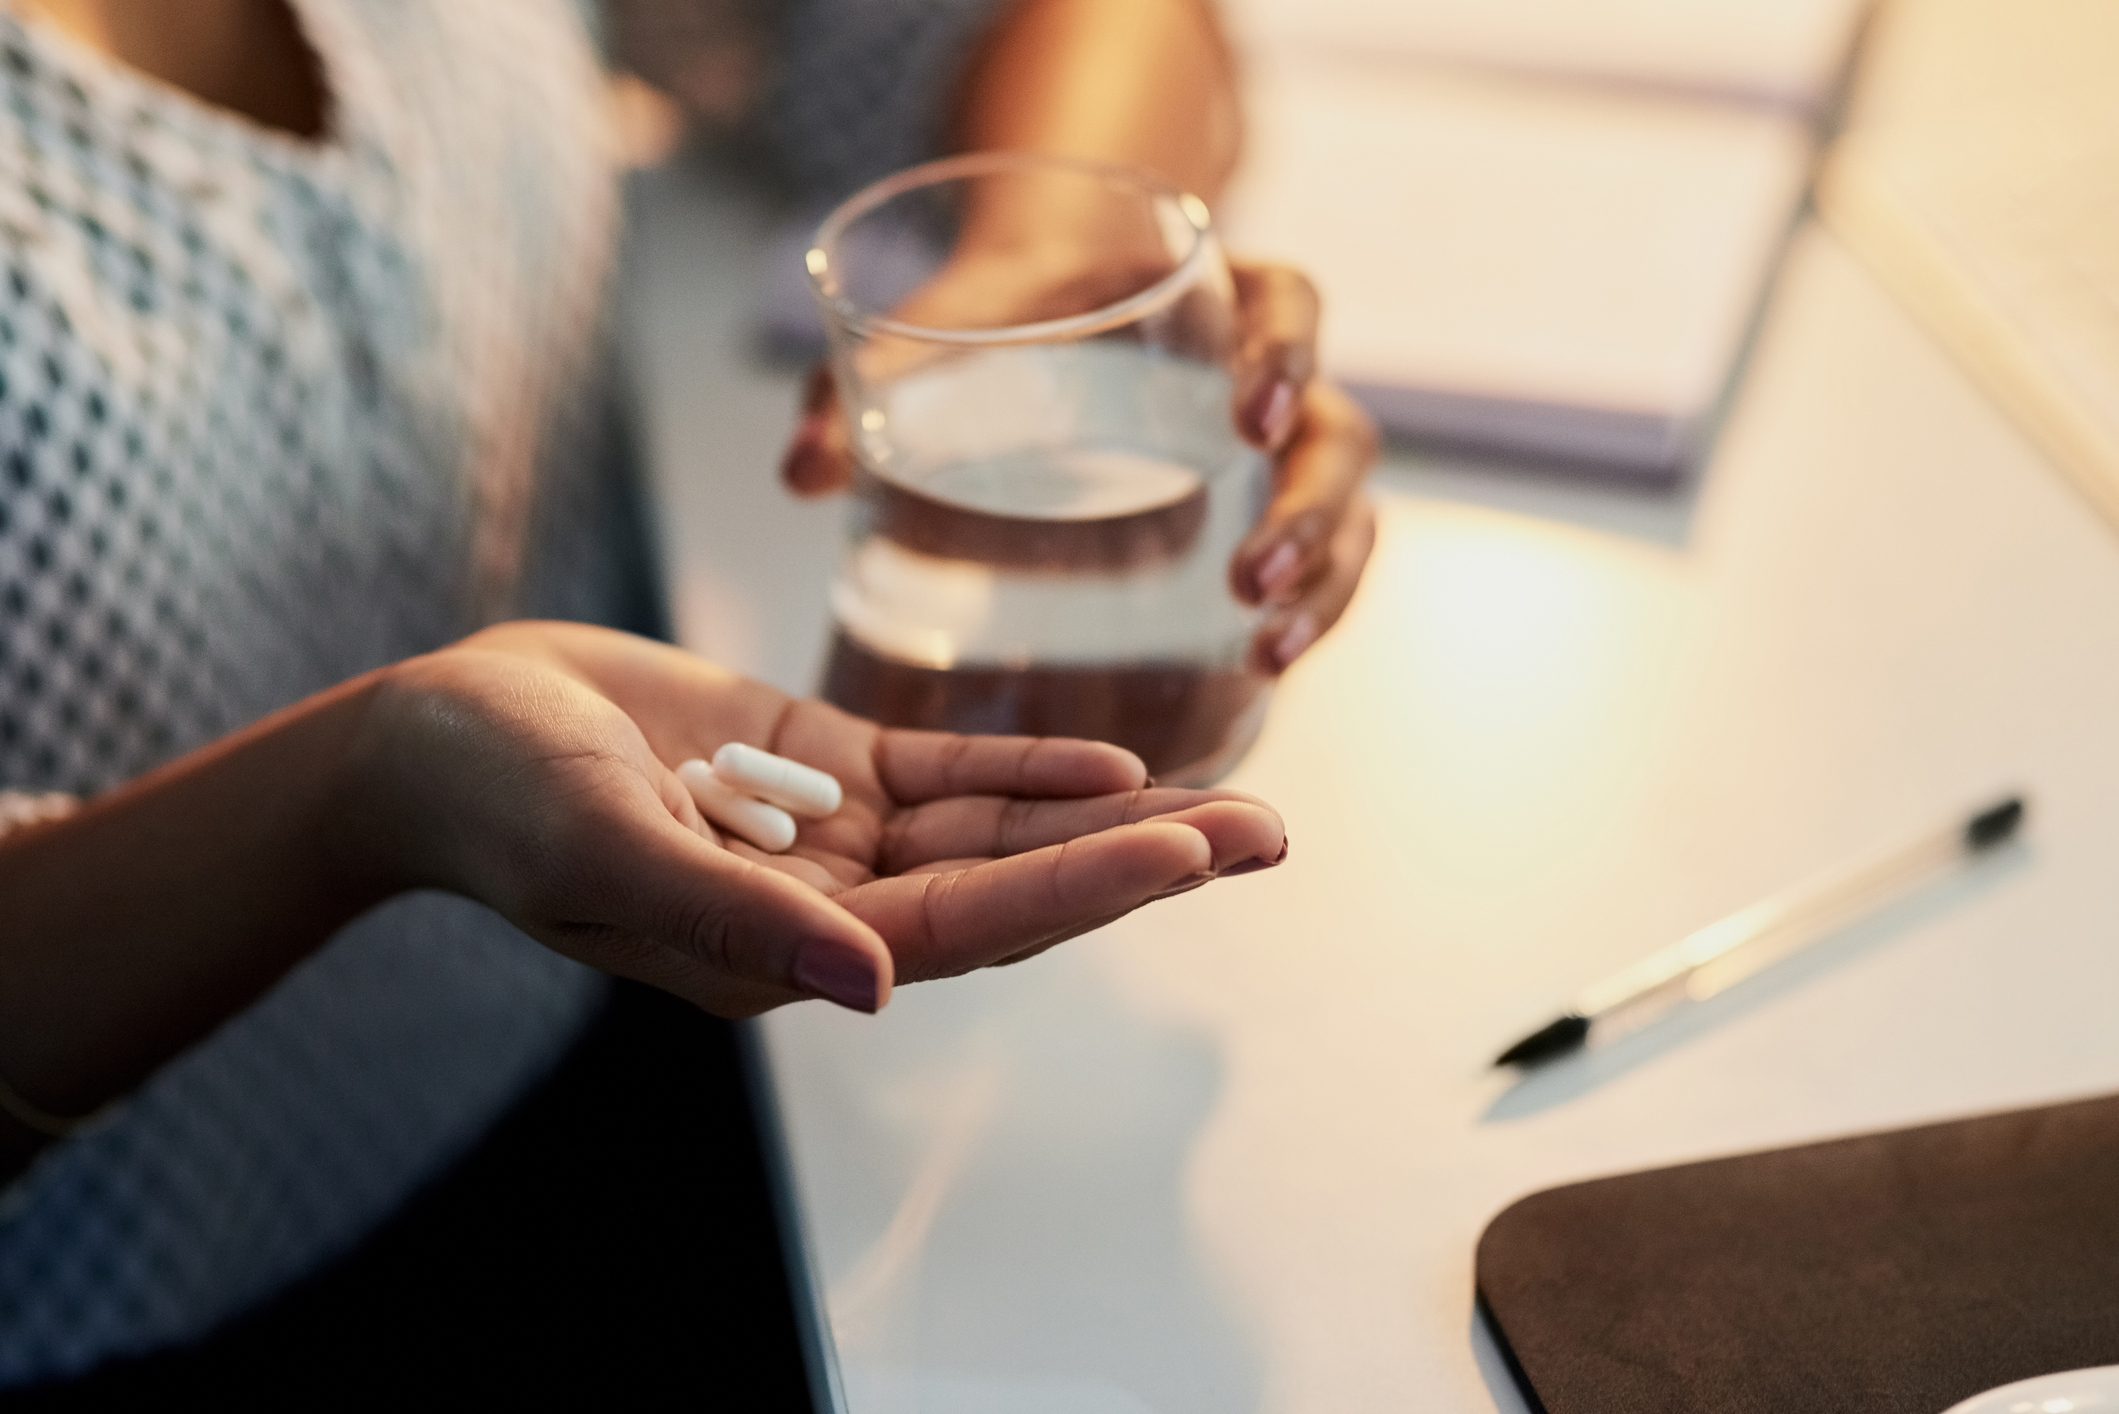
(1571, 1077)
(977, 1092)
(1657, 512)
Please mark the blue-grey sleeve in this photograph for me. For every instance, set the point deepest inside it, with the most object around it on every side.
(859, 88)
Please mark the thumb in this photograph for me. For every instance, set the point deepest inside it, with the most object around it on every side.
(720, 918)
(819, 457)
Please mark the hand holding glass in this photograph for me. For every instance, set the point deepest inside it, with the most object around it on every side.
(1036, 360)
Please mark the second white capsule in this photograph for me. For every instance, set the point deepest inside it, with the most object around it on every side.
(794, 787)
(767, 826)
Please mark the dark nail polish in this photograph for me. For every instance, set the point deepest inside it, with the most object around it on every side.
(1276, 417)
(1253, 866)
(1300, 633)
(838, 975)
(1278, 571)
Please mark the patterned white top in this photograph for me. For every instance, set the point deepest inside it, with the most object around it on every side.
(272, 413)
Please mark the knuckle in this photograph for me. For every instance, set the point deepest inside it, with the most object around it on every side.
(1363, 440)
(1298, 290)
(1060, 878)
(1279, 274)
(1363, 528)
(955, 764)
(1363, 444)
(1348, 422)
(1310, 528)
(709, 933)
(1017, 816)
(1293, 353)
(677, 799)
(928, 909)
(894, 842)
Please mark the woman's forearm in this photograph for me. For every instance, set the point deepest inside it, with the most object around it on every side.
(132, 928)
(1150, 83)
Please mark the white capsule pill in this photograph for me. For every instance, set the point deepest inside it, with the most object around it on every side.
(767, 826)
(792, 786)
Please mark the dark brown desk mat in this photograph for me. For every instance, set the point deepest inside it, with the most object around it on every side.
(1890, 1274)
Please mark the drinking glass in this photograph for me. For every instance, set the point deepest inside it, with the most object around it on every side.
(1035, 359)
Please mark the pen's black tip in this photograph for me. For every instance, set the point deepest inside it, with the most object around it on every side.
(1553, 1039)
(1994, 824)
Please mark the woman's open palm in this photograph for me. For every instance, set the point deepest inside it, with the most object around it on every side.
(543, 756)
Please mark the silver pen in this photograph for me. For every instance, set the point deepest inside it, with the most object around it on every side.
(1724, 953)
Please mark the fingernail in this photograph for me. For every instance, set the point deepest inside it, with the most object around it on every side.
(1253, 866)
(840, 975)
(1300, 633)
(1276, 417)
(1276, 572)
(1186, 886)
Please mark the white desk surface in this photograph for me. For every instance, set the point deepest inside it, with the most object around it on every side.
(1233, 1153)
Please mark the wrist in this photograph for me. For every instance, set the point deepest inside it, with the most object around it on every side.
(232, 863)
(368, 817)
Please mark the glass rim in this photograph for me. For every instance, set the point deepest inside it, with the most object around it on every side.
(817, 261)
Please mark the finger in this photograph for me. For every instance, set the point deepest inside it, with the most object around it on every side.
(940, 925)
(923, 766)
(1040, 948)
(1288, 633)
(996, 826)
(1321, 476)
(718, 916)
(819, 458)
(678, 801)
(1186, 886)
(821, 871)
(1045, 945)
(1278, 308)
